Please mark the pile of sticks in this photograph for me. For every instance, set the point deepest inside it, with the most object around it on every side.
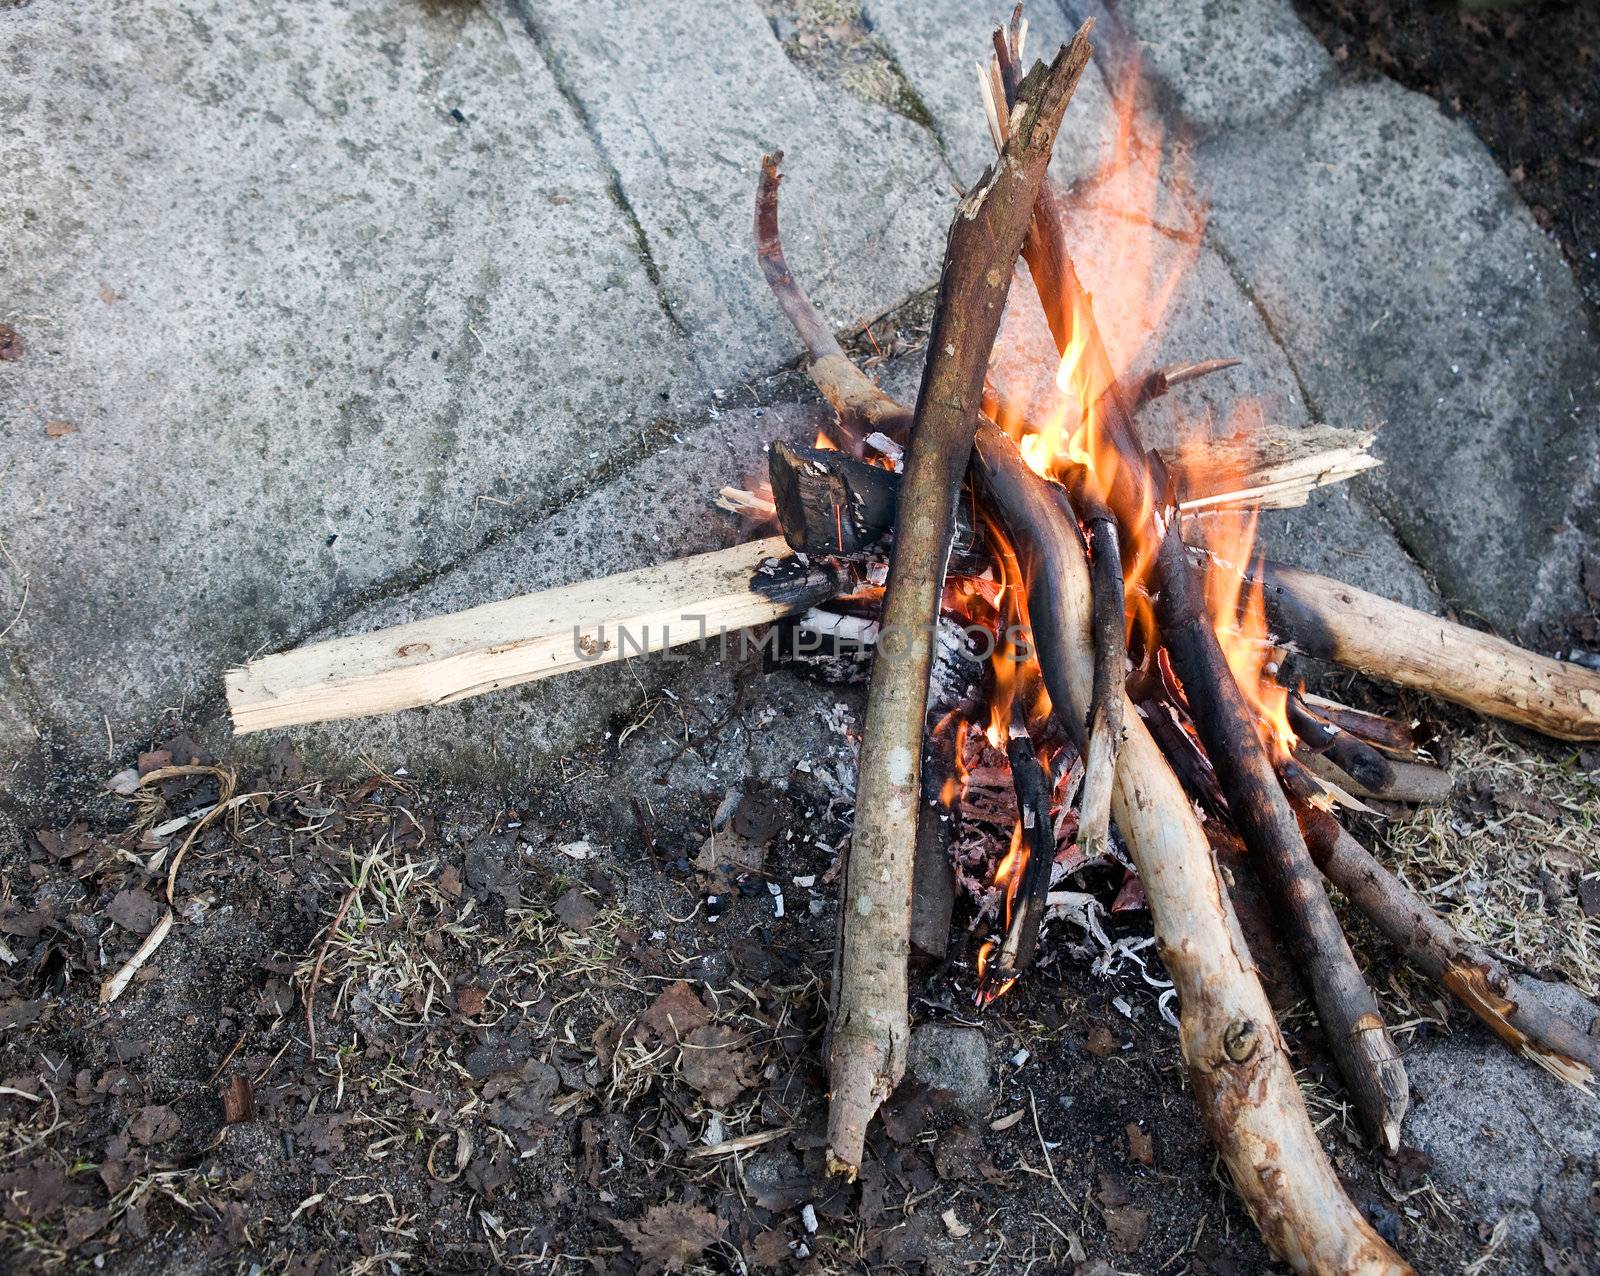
(1174, 765)
(1068, 537)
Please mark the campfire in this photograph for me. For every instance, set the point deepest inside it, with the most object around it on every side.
(1056, 610)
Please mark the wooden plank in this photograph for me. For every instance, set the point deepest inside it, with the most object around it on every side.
(451, 657)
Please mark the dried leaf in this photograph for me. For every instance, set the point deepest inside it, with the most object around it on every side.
(1140, 1146)
(470, 1000)
(1127, 1227)
(155, 1124)
(134, 910)
(714, 1065)
(1101, 1041)
(669, 1237)
(32, 1193)
(59, 429)
(730, 851)
(575, 911)
(675, 1013)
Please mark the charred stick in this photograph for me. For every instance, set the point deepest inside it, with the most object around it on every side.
(1394, 738)
(1031, 782)
(933, 883)
(1235, 1056)
(1184, 755)
(1466, 970)
(862, 408)
(871, 1024)
(1416, 782)
(1110, 673)
(1350, 627)
(1360, 1043)
(1153, 385)
(829, 502)
(1355, 757)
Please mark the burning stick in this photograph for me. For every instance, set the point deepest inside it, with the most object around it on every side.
(1470, 974)
(1236, 1059)
(933, 885)
(1110, 672)
(1367, 1058)
(1394, 738)
(1350, 627)
(1355, 757)
(871, 1023)
(1033, 852)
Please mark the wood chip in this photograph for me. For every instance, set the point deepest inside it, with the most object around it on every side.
(1006, 1122)
(117, 984)
(954, 1225)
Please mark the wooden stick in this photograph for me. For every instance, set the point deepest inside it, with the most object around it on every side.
(594, 622)
(871, 1023)
(861, 408)
(1355, 757)
(1466, 970)
(1394, 738)
(1236, 1059)
(1350, 627)
(1110, 666)
(933, 883)
(1415, 782)
(1031, 782)
(1356, 1036)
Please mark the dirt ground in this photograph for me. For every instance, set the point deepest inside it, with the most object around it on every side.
(561, 1031)
(1526, 76)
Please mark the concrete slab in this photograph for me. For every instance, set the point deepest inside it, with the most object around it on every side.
(939, 44)
(657, 510)
(1511, 1140)
(1225, 62)
(325, 295)
(684, 99)
(1409, 286)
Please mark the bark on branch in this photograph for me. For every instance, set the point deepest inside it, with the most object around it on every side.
(1467, 971)
(1350, 627)
(871, 1023)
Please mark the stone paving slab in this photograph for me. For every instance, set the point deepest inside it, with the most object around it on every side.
(1223, 62)
(684, 98)
(325, 293)
(1409, 286)
(658, 510)
(939, 45)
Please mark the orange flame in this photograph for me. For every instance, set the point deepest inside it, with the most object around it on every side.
(1239, 615)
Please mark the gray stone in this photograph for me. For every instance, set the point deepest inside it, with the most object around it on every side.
(314, 332)
(1508, 1137)
(1410, 287)
(656, 510)
(1226, 62)
(938, 44)
(950, 1057)
(684, 98)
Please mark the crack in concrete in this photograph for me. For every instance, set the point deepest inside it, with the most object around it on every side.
(615, 188)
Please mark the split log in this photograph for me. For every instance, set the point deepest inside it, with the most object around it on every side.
(871, 1021)
(1471, 975)
(1350, 627)
(1235, 1055)
(1357, 1038)
(448, 658)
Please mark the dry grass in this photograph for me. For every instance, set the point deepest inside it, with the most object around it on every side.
(1505, 865)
